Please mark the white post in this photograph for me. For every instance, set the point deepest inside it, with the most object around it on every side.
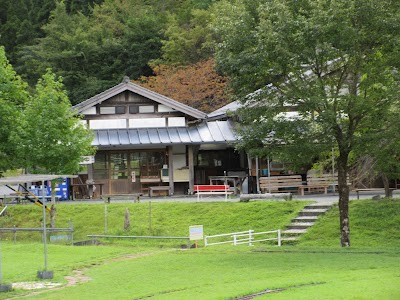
(279, 237)
(250, 237)
(205, 241)
(234, 240)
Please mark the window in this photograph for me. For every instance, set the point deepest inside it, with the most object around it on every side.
(100, 166)
(119, 165)
(133, 109)
(120, 109)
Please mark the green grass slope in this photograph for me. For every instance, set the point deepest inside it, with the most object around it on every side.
(373, 223)
(160, 219)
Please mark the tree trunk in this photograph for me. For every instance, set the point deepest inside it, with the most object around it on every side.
(343, 201)
(385, 179)
(53, 216)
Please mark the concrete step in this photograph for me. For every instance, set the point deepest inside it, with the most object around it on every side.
(305, 219)
(312, 212)
(291, 238)
(302, 225)
(294, 231)
(318, 206)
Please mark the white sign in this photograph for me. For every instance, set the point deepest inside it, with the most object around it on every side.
(196, 232)
(87, 160)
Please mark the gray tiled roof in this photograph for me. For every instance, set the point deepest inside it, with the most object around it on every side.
(203, 133)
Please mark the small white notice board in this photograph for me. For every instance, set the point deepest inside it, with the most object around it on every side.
(196, 232)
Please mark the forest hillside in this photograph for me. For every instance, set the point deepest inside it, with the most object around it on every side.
(93, 44)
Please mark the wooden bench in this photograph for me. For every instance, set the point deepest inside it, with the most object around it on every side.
(374, 190)
(216, 189)
(279, 184)
(158, 188)
(322, 182)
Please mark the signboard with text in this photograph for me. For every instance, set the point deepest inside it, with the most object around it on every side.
(87, 160)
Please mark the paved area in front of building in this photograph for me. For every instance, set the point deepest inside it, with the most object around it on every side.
(321, 198)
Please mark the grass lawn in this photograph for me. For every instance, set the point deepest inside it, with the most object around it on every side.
(221, 272)
(315, 268)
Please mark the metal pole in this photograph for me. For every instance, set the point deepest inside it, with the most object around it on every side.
(44, 226)
(269, 175)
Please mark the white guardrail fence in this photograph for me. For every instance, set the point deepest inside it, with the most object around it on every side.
(243, 237)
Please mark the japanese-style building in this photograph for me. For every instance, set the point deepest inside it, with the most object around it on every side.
(145, 139)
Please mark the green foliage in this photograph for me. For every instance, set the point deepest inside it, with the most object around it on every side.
(188, 43)
(21, 22)
(326, 74)
(95, 52)
(51, 138)
(13, 95)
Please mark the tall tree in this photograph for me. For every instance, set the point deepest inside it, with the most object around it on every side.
(190, 42)
(197, 85)
(333, 61)
(21, 22)
(13, 95)
(52, 138)
(95, 52)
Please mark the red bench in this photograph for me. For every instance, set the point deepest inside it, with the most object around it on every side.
(222, 189)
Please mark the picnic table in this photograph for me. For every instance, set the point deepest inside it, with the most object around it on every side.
(233, 180)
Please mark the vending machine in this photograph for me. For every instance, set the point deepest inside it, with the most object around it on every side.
(62, 190)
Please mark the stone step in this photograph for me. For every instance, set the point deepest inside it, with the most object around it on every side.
(318, 206)
(290, 238)
(302, 225)
(305, 219)
(312, 212)
(294, 231)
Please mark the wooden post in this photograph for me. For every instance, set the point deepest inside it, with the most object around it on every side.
(150, 217)
(257, 176)
(191, 169)
(171, 170)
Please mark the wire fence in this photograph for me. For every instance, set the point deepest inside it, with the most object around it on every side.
(68, 237)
